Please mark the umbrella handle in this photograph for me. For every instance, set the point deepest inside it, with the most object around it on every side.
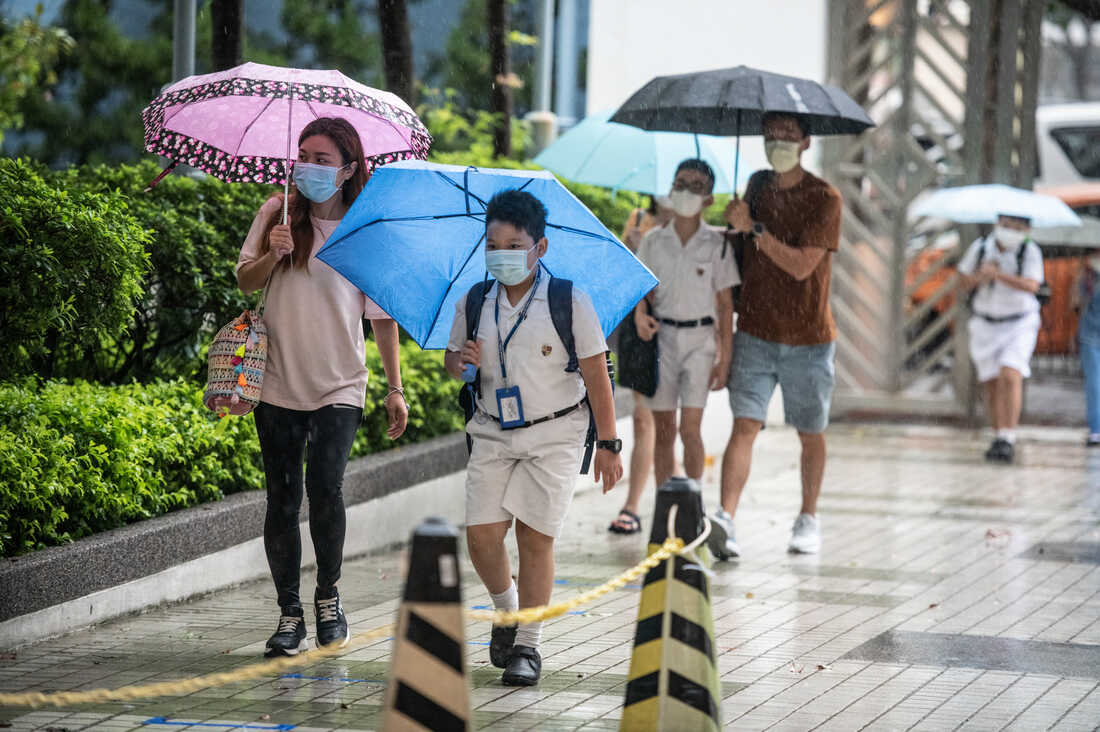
(286, 190)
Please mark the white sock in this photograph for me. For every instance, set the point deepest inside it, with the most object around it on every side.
(529, 635)
(507, 600)
(1007, 435)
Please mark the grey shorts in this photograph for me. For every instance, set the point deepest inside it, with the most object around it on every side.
(804, 373)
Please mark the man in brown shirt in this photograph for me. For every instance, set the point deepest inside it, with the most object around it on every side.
(785, 329)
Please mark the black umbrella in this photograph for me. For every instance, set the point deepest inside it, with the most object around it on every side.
(734, 101)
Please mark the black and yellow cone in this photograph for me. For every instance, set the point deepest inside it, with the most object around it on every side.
(673, 680)
(428, 688)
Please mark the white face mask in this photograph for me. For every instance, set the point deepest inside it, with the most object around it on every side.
(508, 266)
(685, 203)
(782, 155)
(1010, 239)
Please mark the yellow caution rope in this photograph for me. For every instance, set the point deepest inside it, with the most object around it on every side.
(672, 546)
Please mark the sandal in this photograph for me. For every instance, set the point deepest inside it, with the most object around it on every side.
(627, 522)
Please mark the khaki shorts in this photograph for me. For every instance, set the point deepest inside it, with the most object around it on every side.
(528, 473)
(683, 371)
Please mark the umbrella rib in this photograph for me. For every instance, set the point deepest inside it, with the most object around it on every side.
(464, 190)
(450, 285)
(595, 149)
(579, 232)
(237, 150)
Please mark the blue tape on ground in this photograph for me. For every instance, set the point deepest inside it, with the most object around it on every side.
(222, 725)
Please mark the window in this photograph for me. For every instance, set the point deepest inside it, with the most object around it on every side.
(1082, 146)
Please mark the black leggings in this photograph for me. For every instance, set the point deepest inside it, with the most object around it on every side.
(285, 437)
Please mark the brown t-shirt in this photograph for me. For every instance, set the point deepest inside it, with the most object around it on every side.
(773, 305)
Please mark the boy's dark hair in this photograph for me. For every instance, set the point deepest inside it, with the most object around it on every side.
(520, 209)
(698, 165)
(798, 120)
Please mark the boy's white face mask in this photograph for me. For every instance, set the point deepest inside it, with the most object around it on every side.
(685, 203)
(508, 266)
(1010, 239)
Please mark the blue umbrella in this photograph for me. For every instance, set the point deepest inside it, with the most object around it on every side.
(414, 242)
(982, 204)
(619, 156)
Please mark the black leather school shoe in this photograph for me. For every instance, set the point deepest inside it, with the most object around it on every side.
(500, 644)
(524, 667)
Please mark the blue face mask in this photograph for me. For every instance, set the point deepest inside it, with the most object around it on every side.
(508, 266)
(316, 182)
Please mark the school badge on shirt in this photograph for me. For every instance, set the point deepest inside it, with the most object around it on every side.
(546, 349)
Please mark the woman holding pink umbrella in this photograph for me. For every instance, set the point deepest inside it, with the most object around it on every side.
(313, 393)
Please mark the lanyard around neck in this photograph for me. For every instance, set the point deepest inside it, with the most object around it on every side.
(502, 343)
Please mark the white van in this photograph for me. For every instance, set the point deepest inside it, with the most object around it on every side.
(1068, 141)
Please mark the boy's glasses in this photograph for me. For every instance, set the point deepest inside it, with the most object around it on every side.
(699, 187)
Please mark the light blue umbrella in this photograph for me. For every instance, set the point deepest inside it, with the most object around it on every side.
(982, 204)
(619, 156)
(414, 242)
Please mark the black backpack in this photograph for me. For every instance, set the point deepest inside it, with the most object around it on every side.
(560, 300)
(1042, 294)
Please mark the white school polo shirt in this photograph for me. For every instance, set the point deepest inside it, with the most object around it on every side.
(535, 358)
(999, 300)
(689, 274)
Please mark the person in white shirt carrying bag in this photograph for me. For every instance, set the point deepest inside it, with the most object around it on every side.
(1004, 272)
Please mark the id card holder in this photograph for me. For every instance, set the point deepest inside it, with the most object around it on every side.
(510, 407)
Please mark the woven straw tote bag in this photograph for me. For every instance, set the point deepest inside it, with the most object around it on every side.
(235, 364)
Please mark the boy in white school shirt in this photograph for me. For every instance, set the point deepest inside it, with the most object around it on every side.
(527, 471)
(692, 319)
(1004, 271)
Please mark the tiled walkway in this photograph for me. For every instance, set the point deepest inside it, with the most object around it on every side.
(949, 594)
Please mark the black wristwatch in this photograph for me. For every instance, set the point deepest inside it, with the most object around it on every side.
(615, 446)
(758, 229)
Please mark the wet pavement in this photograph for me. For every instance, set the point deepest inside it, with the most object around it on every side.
(949, 594)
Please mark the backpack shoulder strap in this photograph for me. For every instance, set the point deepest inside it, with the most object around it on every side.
(475, 299)
(560, 299)
(756, 184)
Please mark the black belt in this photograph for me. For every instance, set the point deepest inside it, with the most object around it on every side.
(547, 418)
(688, 323)
(1003, 318)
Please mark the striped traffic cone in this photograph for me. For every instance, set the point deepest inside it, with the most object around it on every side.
(673, 680)
(427, 687)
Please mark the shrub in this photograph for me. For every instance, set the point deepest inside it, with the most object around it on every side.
(432, 395)
(197, 226)
(80, 458)
(73, 264)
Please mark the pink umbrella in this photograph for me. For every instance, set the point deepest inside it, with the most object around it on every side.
(241, 125)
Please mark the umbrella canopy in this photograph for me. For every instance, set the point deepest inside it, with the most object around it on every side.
(242, 124)
(982, 204)
(414, 242)
(734, 102)
(614, 155)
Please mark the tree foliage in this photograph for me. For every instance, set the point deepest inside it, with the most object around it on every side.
(29, 53)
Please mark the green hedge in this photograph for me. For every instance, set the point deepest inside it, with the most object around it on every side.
(73, 264)
(76, 459)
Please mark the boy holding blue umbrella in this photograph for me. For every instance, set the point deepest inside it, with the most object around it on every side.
(530, 420)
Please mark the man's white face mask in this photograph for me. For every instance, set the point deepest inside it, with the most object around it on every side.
(783, 155)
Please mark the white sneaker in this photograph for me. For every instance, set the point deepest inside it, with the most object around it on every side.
(721, 542)
(805, 535)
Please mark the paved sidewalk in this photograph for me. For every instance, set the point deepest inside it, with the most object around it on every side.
(949, 594)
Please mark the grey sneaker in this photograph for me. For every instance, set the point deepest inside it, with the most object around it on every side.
(721, 542)
(805, 535)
